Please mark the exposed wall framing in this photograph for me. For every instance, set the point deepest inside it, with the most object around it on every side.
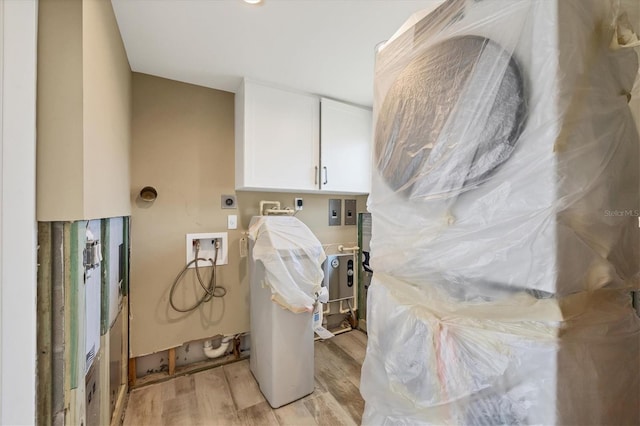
(62, 396)
(44, 329)
(172, 368)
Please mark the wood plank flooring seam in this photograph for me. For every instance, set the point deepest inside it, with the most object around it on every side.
(228, 384)
(231, 396)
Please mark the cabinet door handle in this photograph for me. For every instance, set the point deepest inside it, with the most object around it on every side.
(326, 175)
(315, 180)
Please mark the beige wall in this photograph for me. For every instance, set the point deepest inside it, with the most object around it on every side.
(84, 113)
(183, 145)
(107, 113)
(59, 171)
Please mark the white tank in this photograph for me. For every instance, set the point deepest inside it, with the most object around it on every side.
(284, 274)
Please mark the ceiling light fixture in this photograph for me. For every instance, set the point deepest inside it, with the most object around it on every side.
(253, 1)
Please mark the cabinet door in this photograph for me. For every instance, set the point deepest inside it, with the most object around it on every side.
(345, 147)
(281, 139)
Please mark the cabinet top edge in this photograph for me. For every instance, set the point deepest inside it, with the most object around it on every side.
(319, 97)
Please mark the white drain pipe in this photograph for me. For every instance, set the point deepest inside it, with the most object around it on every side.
(211, 352)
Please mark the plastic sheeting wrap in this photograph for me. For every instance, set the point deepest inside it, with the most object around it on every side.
(435, 361)
(505, 204)
(506, 154)
(292, 257)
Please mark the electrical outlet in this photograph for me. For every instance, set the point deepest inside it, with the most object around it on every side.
(228, 202)
(207, 248)
(297, 204)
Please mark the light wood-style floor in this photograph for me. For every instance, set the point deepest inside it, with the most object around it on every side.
(229, 395)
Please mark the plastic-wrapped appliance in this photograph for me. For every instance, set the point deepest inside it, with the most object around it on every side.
(285, 273)
(504, 203)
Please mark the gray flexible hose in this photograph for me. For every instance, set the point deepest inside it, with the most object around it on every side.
(210, 290)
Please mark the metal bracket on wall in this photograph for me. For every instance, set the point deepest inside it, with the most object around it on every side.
(92, 254)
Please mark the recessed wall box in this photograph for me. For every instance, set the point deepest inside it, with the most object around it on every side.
(207, 248)
(349, 212)
(335, 212)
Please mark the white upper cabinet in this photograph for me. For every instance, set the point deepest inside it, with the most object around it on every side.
(285, 143)
(277, 137)
(345, 147)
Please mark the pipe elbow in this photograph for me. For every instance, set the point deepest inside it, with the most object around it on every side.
(211, 352)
